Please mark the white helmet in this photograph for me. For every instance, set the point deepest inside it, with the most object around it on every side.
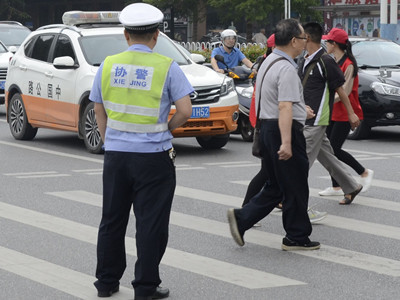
(228, 33)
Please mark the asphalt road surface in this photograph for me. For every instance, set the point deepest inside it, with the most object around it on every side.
(50, 209)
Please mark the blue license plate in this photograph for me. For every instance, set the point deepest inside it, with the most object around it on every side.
(2, 84)
(200, 112)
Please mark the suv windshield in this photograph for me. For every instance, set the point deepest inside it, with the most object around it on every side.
(376, 53)
(97, 48)
(13, 36)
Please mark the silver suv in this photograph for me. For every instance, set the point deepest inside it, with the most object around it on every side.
(5, 57)
(12, 34)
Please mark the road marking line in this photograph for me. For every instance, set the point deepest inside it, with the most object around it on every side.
(87, 170)
(373, 158)
(42, 176)
(63, 279)
(188, 168)
(362, 200)
(31, 173)
(227, 163)
(52, 152)
(209, 267)
(345, 257)
(339, 222)
(241, 166)
(371, 153)
(376, 182)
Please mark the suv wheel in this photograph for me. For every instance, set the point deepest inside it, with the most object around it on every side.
(245, 129)
(91, 133)
(213, 142)
(361, 132)
(19, 126)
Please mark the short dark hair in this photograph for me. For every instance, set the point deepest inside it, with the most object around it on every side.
(285, 30)
(314, 31)
(141, 35)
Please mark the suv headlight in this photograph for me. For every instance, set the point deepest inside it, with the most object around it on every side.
(247, 92)
(385, 89)
(227, 86)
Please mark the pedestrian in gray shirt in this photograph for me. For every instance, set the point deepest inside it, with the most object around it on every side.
(283, 114)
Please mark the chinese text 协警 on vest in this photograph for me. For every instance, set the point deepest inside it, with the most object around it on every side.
(132, 86)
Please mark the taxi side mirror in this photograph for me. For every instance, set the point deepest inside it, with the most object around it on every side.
(64, 62)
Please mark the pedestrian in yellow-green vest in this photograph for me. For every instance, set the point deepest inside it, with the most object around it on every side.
(133, 92)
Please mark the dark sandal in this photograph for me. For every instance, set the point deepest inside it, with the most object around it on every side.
(346, 200)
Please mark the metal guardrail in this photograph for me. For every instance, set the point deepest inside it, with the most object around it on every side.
(199, 46)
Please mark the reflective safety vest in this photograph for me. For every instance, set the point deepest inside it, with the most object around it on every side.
(132, 86)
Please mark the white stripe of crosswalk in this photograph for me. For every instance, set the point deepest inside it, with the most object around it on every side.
(212, 268)
(360, 200)
(332, 254)
(378, 183)
(63, 279)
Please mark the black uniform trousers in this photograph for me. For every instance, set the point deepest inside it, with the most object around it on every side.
(147, 181)
(287, 182)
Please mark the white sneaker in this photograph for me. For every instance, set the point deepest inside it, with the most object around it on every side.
(316, 216)
(366, 181)
(330, 191)
(257, 225)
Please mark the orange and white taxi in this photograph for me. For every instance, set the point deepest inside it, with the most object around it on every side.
(50, 77)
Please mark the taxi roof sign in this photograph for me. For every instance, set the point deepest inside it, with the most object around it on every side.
(90, 17)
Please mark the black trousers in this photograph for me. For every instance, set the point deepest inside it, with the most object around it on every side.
(147, 181)
(337, 133)
(256, 183)
(287, 181)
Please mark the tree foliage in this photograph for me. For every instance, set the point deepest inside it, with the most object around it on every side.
(250, 11)
(13, 10)
(255, 10)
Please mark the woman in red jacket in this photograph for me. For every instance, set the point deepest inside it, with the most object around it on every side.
(339, 45)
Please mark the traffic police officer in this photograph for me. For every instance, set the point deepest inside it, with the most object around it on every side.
(133, 92)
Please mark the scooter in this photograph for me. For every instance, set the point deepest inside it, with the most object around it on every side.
(244, 80)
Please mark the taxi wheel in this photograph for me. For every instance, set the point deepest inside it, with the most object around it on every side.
(213, 142)
(91, 134)
(18, 121)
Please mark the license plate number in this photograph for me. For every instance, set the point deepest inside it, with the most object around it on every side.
(2, 84)
(200, 112)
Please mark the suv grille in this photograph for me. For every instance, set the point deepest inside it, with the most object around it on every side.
(204, 95)
(3, 74)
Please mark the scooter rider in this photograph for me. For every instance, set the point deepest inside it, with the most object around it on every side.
(232, 55)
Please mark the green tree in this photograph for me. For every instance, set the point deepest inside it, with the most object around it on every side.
(194, 9)
(236, 10)
(258, 11)
(13, 10)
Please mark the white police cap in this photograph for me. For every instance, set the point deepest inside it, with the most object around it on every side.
(141, 17)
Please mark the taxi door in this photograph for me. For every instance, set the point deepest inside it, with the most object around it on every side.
(62, 107)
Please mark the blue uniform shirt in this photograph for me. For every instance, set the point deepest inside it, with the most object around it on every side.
(176, 86)
(232, 59)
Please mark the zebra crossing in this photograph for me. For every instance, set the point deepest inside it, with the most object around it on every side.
(79, 285)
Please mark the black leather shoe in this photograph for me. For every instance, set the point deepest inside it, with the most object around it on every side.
(105, 294)
(160, 293)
